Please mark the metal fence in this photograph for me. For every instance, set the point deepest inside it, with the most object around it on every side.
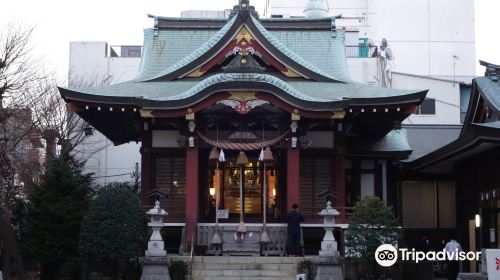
(356, 51)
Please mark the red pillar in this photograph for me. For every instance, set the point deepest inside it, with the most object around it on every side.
(146, 168)
(293, 177)
(339, 172)
(191, 192)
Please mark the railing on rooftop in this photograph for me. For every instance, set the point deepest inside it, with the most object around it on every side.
(356, 51)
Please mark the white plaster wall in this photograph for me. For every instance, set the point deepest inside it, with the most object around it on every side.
(423, 34)
(86, 60)
(446, 94)
(89, 64)
(363, 70)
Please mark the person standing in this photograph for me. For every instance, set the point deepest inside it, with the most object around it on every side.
(293, 219)
(452, 248)
(424, 244)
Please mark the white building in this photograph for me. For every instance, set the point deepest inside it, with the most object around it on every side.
(94, 63)
(428, 38)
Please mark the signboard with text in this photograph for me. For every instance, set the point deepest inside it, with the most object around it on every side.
(223, 214)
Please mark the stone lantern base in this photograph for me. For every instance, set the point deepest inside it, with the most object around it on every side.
(329, 249)
(329, 268)
(154, 268)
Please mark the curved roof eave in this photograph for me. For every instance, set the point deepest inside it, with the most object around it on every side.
(474, 135)
(241, 81)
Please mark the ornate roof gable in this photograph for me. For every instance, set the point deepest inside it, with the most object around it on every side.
(244, 38)
(484, 104)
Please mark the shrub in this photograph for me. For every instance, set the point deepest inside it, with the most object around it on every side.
(178, 270)
(308, 268)
(371, 225)
(114, 228)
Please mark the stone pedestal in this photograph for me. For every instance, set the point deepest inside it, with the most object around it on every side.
(329, 245)
(155, 264)
(329, 268)
(329, 264)
(156, 246)
(154, 268)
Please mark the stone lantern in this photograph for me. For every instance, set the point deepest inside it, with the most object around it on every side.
(155, 263)
(156, 246)
(329, 245)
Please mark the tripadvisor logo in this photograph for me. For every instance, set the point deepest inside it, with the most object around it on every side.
(387, 255)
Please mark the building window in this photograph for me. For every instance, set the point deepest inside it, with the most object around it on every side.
(170, 179)
(428, 107)
(428, 204)
(464, 100)
(315, 178)
(367, 184)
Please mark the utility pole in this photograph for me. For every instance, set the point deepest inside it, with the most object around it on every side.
(136, 176)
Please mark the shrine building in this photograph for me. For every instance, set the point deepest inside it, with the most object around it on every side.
(249, 116)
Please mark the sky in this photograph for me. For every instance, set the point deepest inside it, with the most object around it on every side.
(121, 22)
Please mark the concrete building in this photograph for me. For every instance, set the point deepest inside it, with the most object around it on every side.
(97, 63)
(429, 39)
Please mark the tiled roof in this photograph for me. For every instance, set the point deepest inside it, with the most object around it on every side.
(490, 90)
(168, 48)
(172, 49)
(304, 90)
(206, 46)
(395, 140)
(335, 46)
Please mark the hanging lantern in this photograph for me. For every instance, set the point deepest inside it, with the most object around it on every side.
(242, 159)
(214, 155)
(268, 155)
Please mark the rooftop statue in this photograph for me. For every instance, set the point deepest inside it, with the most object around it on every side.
(386, 63)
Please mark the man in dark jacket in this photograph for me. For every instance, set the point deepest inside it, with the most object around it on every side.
(293, 219)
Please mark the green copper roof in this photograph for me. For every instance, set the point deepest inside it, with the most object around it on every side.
(300, 89)
(395, 140)
(335, 48)
(172, 49)
(319, 48)
(490, 91)
(195, 54)
(168, 48)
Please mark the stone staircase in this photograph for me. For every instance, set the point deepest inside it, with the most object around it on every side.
(242, 268)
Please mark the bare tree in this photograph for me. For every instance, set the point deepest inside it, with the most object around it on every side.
(18, 73)
(34, 122)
